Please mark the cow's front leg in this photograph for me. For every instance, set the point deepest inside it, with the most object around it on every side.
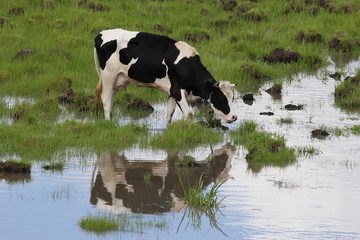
(171, 104)
(107, 94)
(184, 106)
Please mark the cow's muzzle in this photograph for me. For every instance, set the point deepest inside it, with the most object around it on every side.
(232, 119)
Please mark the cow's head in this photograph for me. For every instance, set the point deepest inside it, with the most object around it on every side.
(221, 101)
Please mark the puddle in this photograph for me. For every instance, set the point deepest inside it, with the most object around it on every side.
(317, 197)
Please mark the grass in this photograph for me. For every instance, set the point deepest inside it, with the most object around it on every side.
(54, 166)
(355, 129)
(308, 151)
(200, 201)
(42, 141)
(136, 223)
(264, 149)
(185, 134)
(347, 94)
(99, 224)
(287, 120)
(147, 178)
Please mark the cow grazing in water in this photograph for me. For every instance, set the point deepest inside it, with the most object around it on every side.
(149, 60)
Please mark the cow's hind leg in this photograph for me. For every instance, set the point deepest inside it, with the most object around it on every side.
(98, 96)
(108, 82)
(171, 104)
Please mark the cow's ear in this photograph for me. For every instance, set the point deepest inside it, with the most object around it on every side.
(217, 84)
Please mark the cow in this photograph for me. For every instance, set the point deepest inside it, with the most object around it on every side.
(155, 61)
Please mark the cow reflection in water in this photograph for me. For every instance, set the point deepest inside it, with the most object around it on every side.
(119, 185)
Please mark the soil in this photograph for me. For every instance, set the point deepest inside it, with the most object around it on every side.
(254, 72)
(228, 5)
(2, 21)
(16, 11)
(320, 134)
(309, 37)
(248, 97)
(67, 98)
(267, 113)
(161, 29)
(279, 55)
(138, 104)
(275, 89)
(13, 167)
(292, 107)
(197, 37)
(23, 53)
(336, 76)
(92, 6)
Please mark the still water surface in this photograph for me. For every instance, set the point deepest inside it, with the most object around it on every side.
(318, 197)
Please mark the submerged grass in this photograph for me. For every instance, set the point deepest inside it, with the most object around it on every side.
(265, 149)
(347, 94)
(185, 134)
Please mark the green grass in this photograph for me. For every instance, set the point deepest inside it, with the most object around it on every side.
(42, 141)
(99, 224)
(347, 94)
(355, 129)
(54, 166)
(287, 120)
(185, 134)
(264, 149)
(135, 223)
(147, 178)
(308, 151)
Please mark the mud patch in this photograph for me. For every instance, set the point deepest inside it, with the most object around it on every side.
(254, 72)
(343, 45)
(292, 107)
(197, 37)
(23, 54)
(228, 5)
(279, 55)
(16, 11)
(3, 21)
(138, 104)
(319, 134)
(93, 6)
(161, 29)
(309, 37)
(14, 167)
(267, 113)
(275, 91)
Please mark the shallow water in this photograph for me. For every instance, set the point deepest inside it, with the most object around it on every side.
(318, 197)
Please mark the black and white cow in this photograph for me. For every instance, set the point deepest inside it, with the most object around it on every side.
(149, 60)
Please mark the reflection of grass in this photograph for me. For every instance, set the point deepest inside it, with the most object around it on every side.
(147, 178)
(201, 202)
(102, 224)
(287, 120)
(54, 166)
(185, 134)
(308, 151)
(264, 148)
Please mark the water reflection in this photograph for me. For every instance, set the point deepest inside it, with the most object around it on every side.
(119, 184)
(15, 178)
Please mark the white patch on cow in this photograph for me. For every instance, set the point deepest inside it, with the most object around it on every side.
(113, 34)
(185, 51)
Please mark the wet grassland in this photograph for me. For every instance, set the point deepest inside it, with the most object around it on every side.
(47, 75)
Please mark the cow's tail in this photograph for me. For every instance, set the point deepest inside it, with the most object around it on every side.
(99, 85)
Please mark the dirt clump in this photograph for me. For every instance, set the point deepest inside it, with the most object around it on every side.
(197, 37)
(309, 37)
(348, 9)
(67, 98)
(234, 39)
(254, 72)
(16, 11)
(3, 21)
(275, 91)
(138, 104)
(248, 97)
(14, 167)
(23, 53)
(343, 46)
(228, 5)
(161, 29)
(279, 55)
(267, 113)
(292, 107)
(220, 23)
(319, 134)
(336, 76)
(92, 6)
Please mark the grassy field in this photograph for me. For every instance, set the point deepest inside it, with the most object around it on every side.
(47, 47)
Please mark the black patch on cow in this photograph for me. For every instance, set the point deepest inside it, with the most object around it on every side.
(150, 50)
(105, 51)
(219, 100)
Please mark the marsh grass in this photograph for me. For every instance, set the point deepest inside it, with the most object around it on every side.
(136, 223)
(42, 141)
(347, 94)
(308, 151)
(287, 120)
(147, 178)
(54, 166)
(264, 148)
(185, 134)
(201, 202)
(355, 129)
